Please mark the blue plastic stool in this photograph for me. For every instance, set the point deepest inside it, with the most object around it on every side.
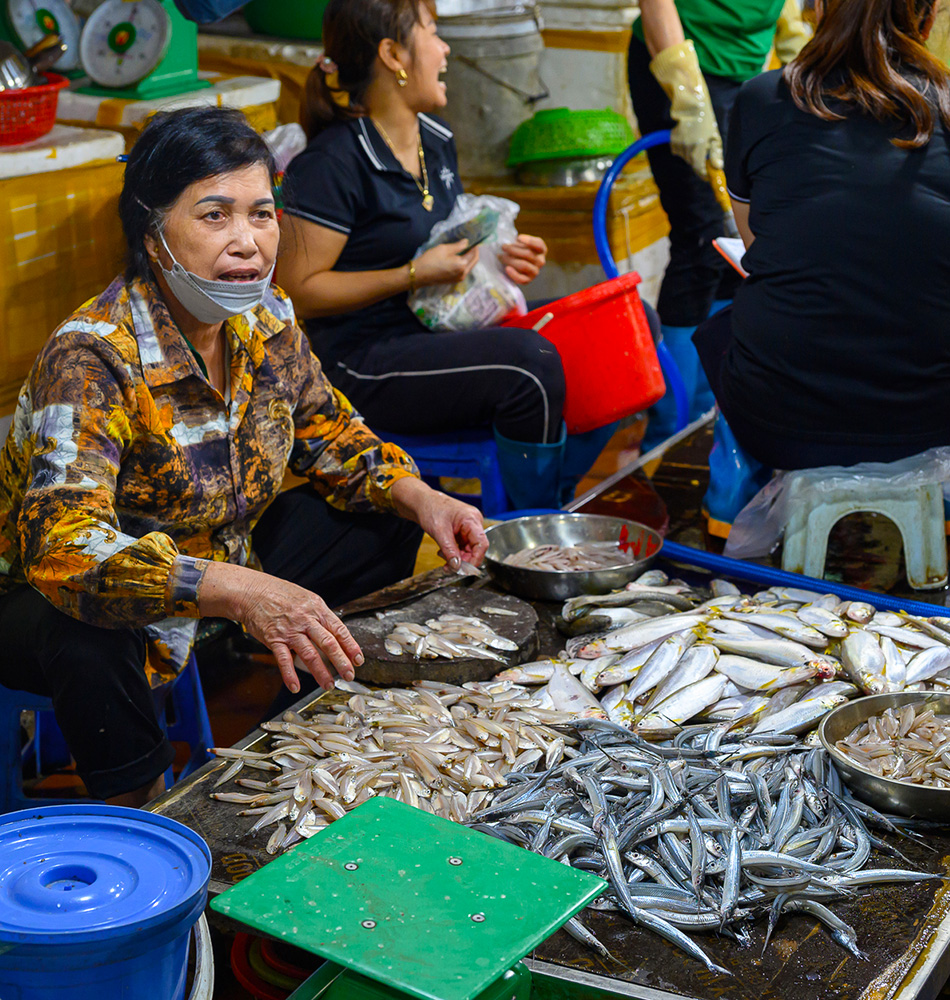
(182, 713)
(465, 454)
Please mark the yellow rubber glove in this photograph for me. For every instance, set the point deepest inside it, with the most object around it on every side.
(791, 32)
(696, 135)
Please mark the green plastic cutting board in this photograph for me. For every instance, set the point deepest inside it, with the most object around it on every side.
(413, 901)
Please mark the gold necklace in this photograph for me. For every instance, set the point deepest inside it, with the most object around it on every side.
(427, 200)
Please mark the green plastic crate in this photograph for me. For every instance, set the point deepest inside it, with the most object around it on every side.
(559, 133)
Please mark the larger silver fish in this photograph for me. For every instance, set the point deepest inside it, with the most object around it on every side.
(863, 661)
(660, 664)
(756, 676)
(696, 663)
(634, 636)
(787, 626)
(825, 621)
(801, 716)
(927, 664)
(684, 704)
(780, 652)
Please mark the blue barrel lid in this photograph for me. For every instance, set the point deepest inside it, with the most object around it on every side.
(75, 873)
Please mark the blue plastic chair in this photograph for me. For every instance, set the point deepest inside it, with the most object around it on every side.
(465, 454)
(182, 713)
(670, 372)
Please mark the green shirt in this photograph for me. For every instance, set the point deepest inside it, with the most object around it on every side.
(732, 37)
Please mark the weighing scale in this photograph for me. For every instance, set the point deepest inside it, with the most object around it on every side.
(136, 50)
(26, 22)
(403, 903)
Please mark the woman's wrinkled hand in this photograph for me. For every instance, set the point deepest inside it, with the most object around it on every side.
(288, 619)
(445, 264)
(292, 621)
(524, 259)
(456, 527)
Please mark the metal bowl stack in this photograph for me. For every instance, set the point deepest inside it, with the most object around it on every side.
(510, 537)
(884, 793)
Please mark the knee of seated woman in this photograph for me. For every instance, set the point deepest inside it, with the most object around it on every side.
(536, 356)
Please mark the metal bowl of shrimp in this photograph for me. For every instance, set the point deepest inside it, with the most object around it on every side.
(906, 742)
(551, 557)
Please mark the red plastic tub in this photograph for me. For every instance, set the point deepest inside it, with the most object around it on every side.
(603, 338)
(29, 113)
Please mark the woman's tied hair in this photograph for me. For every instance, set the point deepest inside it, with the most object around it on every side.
(352, 31)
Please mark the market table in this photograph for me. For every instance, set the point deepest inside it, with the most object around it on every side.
(905, 930)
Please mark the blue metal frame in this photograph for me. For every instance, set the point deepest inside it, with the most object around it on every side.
(670, 371)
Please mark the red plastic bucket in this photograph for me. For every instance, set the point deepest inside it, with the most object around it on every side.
(610, 363)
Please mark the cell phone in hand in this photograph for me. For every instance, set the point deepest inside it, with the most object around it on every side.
(474, 243)
(480, 227)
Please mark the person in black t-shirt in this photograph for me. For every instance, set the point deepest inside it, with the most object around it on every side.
(837, 348)
(378, 172)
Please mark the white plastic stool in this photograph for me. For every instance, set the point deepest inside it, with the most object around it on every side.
(917, 511)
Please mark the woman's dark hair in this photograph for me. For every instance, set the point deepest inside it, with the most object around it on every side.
(175, 149)
(870, 54)
(352, 31)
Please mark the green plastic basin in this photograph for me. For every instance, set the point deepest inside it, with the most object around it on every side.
(558, 133)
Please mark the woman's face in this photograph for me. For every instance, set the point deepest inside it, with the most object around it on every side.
(223, 228)
(425, 90)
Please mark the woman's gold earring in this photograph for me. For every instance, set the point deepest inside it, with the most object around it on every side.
(402, 77)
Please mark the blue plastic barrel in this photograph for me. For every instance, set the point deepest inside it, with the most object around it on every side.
(97, 902)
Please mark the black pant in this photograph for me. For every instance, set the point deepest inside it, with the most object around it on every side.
(429, 383)
(96, 677)
(771, 447)
(696, 274)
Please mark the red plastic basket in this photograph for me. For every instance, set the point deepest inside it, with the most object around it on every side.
(610, 364)
(29, 113)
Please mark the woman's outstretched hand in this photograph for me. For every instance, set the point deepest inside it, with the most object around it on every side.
(456, 527)
(445, 264)
(288, 619)
(523, 259)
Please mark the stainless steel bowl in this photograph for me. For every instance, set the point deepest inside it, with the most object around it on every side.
(566, 529)
(564, 172)
(884, 793)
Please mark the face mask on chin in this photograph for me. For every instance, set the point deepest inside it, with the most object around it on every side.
(212, 301)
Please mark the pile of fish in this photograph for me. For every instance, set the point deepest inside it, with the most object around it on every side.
(450, 636)
(572, 558)
(704, 833)
(661, 653)
(438, 747)
(910, 744)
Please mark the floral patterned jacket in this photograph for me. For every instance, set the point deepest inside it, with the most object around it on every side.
(125, 470)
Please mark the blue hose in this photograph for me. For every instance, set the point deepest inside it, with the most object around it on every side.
(771, 577)
(671, 372)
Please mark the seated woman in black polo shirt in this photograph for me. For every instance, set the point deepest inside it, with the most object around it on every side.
(837, 349)
(378, 173)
